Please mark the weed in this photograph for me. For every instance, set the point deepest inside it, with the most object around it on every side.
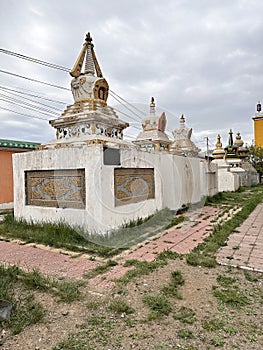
(74, 342)
(168, 254)
(203, 254)
(213, 325)
(176, 281)
(232, 296)
(119, 306)
(225, 281)
(130, 322)
(55, 235)
(158, 304)
(250, 277)
(230, 330)
(101, 269)
(175, 221)
(141, 268)
(185, 334)
(217, 342)
(197, 259)
(185, 315)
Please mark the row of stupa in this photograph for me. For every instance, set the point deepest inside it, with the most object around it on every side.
(91, 120)
(234, 152)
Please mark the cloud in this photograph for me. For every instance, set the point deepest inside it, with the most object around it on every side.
(202, 58)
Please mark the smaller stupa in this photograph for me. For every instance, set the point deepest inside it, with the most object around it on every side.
(183, 144)
(218, 152)
(242, 151)
(153, 136)
(232, 151)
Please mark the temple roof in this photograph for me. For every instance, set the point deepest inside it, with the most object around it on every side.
(4, 143)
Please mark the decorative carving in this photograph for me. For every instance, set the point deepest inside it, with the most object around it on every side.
(56, 188)
(133, 185)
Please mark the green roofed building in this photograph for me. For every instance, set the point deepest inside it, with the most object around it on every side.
(7, 149)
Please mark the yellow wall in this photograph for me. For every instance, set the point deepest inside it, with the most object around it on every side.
(258, 132)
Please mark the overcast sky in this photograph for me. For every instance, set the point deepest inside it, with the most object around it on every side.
(203, 58)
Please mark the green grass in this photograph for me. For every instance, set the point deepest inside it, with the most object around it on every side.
(204, 253)
(54, 235)
(233, 296)
(185, 315)
(33, 280)
(251, 277)
(119, 306)
(140, 268)
(225, 281)
(158, 304)
(25, 310)
(185, 334)
(101, 269)
(176, 221)
(171, 289)
(213, 325)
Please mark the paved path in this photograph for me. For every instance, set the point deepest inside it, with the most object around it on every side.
(245, 246)
(181, 240)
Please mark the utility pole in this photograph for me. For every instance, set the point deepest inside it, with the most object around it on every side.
(207, 148)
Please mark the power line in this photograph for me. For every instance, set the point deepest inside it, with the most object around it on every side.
(29, 99)
(126, 101)
(22, 114)
(25, 104)
(35, 60)
(28, 94)
(59, 67)
(29, 108)
(34, 80)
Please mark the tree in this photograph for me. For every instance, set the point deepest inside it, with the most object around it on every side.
(256, 158)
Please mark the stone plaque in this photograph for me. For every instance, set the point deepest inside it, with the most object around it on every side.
(133, 185)
(56, 188)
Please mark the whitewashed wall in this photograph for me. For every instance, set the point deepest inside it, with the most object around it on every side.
(178, 181)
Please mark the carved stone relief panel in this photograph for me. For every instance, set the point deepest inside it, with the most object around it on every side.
(133, 185)
(56, 188)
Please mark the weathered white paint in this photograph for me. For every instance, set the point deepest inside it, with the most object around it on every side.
(178, 180)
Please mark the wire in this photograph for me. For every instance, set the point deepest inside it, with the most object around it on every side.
(126, 101)
(139, 118)
(25, 104)
(29, 99)
(37, 96)
(65, 69)
(35, 60)
(34, 80)
(24, 115)
(29, 108)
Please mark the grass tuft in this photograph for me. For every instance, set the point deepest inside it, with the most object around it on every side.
(158, 304)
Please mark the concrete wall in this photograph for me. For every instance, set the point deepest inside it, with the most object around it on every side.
(178, 181)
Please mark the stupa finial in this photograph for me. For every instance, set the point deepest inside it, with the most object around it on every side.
(230, 140)
(152, 105)
(219, 143)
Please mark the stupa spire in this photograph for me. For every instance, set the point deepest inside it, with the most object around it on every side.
(152, 106)
(91, 63)
(230, 140)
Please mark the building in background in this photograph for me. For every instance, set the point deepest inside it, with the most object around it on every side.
(258, 126)
(7, 149)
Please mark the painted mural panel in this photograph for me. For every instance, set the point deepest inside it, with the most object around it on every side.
(56, 188)
(133, 185)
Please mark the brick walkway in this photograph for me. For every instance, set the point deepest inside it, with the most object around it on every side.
(245, 246)
(181, 240)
